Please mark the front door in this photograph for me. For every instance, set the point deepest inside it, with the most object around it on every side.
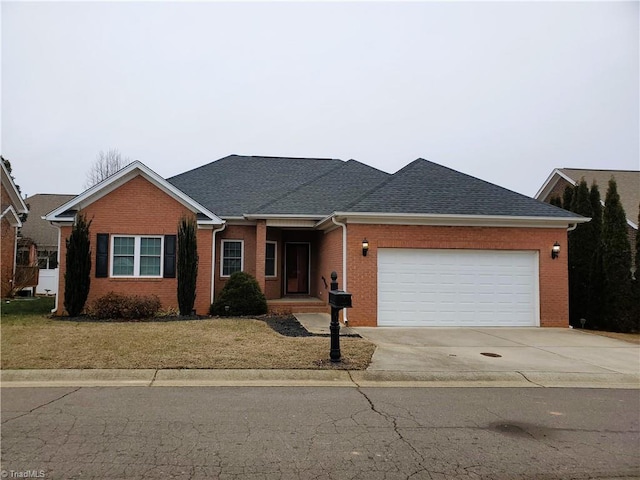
(297, 268)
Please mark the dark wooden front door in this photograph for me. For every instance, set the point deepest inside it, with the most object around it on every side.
(297, 268)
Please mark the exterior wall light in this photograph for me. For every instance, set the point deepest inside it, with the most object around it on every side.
(365, 247)
(555, 250)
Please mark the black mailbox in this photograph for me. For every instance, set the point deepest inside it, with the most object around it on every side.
(339, 299)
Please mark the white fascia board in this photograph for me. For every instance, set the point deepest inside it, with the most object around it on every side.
(455, 220)
(12, 190)
(551, 182)
(281, 216)
(121, 177)
(12, 216)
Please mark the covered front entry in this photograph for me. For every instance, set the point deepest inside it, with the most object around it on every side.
(452, 288)
(297, 262)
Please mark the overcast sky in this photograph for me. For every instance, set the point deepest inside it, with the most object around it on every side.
(504, 91)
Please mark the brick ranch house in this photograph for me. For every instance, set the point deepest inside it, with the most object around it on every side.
(425, 246)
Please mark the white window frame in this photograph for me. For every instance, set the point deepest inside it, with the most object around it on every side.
(275, 259)
(229, 240)
(136, 256)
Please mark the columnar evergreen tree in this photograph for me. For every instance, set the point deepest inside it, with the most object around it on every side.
(77, 278)
(581, 250)
(616, 261)
(567, 197)
(556, 201)
(596, 280)
(187, 264)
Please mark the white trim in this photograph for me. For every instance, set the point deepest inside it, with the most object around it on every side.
(453, 220)
(549, 185)
(275, 259)
(136, 255)
(213, 261)
(344, 263)
(55, 306)
(222, 242)
(16, 218)
(12, 190)
(121, 177)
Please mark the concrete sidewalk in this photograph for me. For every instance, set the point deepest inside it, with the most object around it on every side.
(408, 357)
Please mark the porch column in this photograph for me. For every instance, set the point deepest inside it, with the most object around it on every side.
(261, 246)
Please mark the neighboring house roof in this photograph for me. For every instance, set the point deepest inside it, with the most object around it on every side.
(67, 211)
(16, 205)
(237, 185)
(36, 228)
(627, 181)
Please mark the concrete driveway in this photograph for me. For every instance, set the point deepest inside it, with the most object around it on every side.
(543, 356)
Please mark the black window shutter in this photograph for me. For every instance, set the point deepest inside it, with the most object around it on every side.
(102, 256)
(169, 256)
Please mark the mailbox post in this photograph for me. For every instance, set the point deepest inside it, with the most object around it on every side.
(338, 299)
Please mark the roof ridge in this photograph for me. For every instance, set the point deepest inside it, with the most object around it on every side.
(289, 192)
(378, 186)
(598, 170)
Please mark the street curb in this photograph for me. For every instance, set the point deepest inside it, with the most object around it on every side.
(310, 378)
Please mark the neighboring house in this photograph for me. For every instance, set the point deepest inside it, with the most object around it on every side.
(44, 236)
(11, 209)
(627, 181)
(426, 246)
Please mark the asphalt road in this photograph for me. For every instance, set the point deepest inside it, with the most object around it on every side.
(319, 433)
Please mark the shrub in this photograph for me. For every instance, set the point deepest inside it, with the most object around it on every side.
(242, 295)
(117, 306)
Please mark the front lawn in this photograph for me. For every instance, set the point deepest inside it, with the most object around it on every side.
(36, 341)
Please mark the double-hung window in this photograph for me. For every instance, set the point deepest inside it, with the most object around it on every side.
(136, 256)
(232, 258)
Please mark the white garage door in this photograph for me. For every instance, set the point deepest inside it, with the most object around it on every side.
(449, 288)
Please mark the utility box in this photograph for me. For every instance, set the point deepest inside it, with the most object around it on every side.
(339, 299)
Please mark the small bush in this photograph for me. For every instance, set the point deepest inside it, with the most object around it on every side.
(242, 295)
(117, 306)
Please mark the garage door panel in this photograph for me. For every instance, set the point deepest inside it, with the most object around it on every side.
(422, 287)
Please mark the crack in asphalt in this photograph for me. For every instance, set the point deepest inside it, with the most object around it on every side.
(40, 406)
(396, 430)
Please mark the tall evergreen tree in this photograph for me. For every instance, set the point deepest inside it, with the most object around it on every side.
(596, 274)
(616, 261)
(581, 249)
(556, 201)
(187, 265)
(567, 197)
(77, 278)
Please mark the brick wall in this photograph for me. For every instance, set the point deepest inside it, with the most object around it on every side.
(362, 271)
(7, 248)
(140, 208)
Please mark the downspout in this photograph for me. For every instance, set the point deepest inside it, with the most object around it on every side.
(213, 261)
(344, 263)
(55, 305)
(571, 229)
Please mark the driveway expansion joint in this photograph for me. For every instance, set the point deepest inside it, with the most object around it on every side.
(530, 381)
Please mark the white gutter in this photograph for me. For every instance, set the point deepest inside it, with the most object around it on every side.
(344, 263)
(213, 260)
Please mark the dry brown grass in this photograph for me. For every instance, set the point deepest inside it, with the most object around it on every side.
(627, 337)
(37, 342)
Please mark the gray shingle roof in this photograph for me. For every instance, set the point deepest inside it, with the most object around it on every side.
(428, 188)
(41, 231)
(246, 185)
(328, 193)
(237, 185)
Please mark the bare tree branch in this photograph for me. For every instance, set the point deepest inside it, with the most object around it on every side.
(106, 164)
